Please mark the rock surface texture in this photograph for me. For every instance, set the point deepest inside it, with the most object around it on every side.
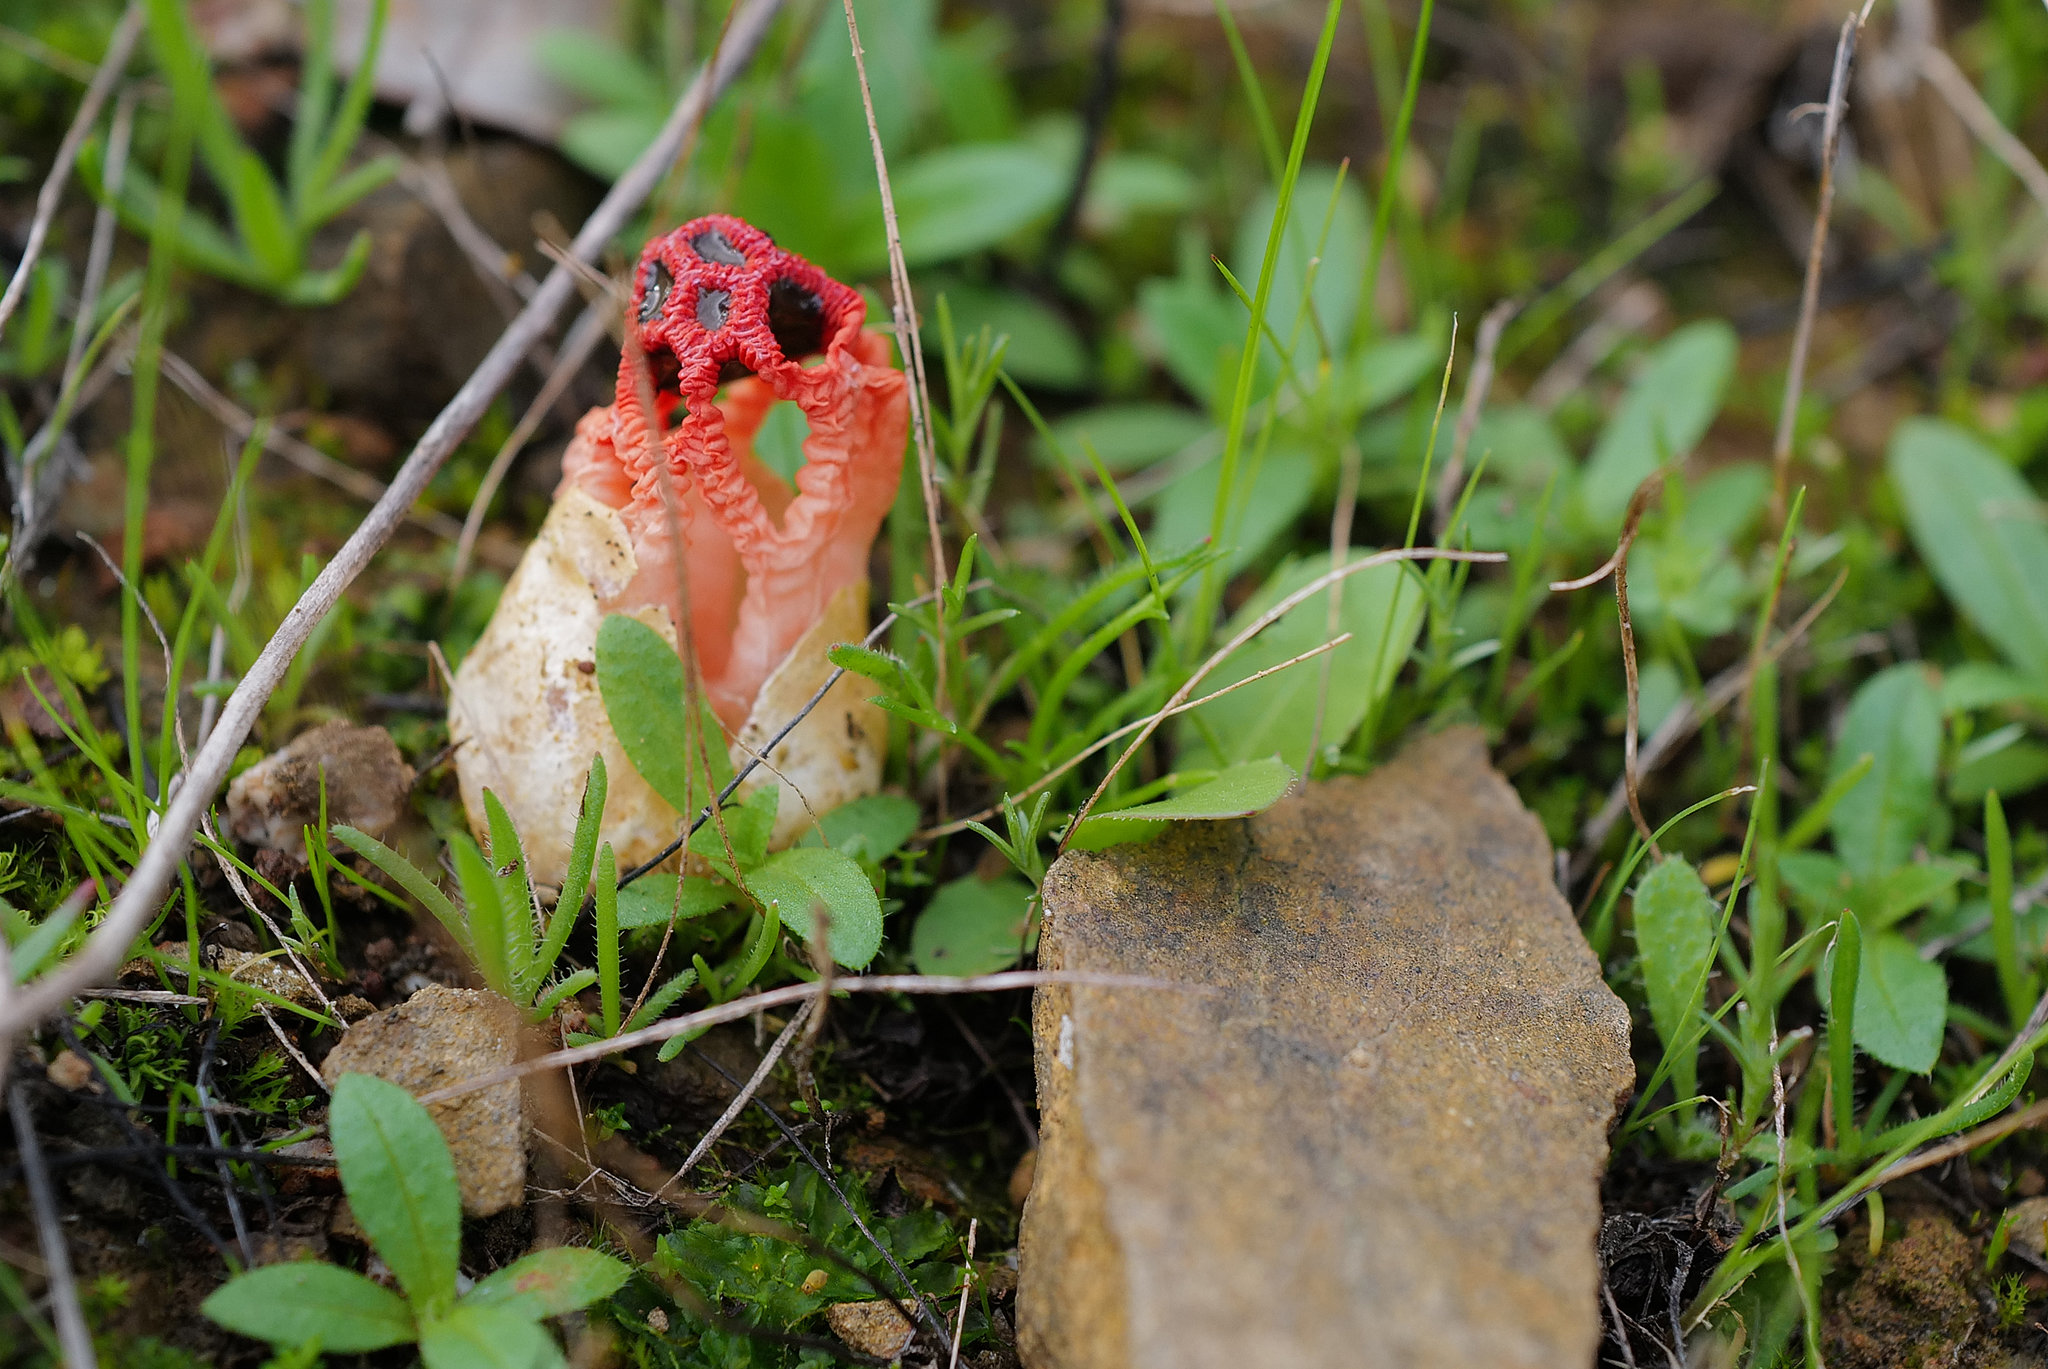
(1377, 1139)
(443, 1036)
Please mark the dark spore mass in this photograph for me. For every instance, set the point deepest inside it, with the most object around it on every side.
(712, 308)
(797, 318)
(712, 245)
(654, 291)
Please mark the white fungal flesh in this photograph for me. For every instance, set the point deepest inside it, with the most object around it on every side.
(526, 716)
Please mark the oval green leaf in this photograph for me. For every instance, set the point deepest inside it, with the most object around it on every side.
(641, 679)
(290, 1304)
(401, 1185)
(791, 883)
(550, 1282)
(1978, 526)
(974, 926)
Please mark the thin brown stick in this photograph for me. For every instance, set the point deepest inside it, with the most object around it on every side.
(1995, 1130)
(105, 951)
(120, 47)
(431, 185)
(1685, 719)
(1485, 357)
(304, 455)
(1816, 255)
(1940, 71)
(584, 335)
(1628, 669)
(73, 1336)
(1253, 629)
(1617, 565)
(903, 309)
(735, 1009)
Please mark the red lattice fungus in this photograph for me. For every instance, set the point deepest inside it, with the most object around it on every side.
(717, 304)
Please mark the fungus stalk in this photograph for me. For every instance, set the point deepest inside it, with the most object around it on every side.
(665, 513)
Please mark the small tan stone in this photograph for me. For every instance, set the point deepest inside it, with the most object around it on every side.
(1377, 1141)
(2027, 1228)
(71, 1071)
(871, 1328)
(443, 1036)
(366, 781)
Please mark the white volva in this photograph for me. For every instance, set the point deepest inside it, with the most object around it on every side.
(526, 715)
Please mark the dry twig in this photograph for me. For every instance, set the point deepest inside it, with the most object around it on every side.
(1816, 252)
(742, 1098)
(303, 455)
(73, 1336)
(735, 1009)
(1617, 565)
(1485, 355)
(119, 48)
(584, 335)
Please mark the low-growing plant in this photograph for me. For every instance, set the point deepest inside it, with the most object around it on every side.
(780, 1251)
(271, 229)
(401, 1186)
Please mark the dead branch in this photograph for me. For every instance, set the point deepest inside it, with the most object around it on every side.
(73, 1336)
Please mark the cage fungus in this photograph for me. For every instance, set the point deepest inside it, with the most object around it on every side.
(665, 513)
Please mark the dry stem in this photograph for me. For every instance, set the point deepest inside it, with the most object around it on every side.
(119, 48)
(1816, 252)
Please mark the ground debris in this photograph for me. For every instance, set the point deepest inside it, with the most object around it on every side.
(1917, 1304)
(1379, 1140)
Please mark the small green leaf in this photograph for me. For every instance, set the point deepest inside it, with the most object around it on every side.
(1661, 418)
(974, 926)
(1328, 269)
(1901, 1004)
(489, 926)
(1043, 351)
(747, 825)
(1844, 973)
(1675, 920)
(550, 1282)
(1895, 718)
(1243, 789)
(793, 882)
(641, 679)
(1978, 525)
(410, 878)
(1382, 610)
(961, 199)
(288, 1304)
(401, 1185)
(650, 900)
(484, 1337)
(871, 829)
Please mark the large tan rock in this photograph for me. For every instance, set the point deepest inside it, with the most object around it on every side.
(1378, 1142)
